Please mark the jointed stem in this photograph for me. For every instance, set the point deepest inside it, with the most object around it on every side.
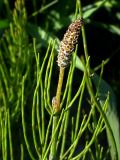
(59, 87)
(56, 109)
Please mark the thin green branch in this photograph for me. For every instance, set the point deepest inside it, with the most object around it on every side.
(78, 111)
(22, 152)
(10, 136)
(91, 92)
(72, 145)
(23, 122)
(83, 32)
(97, 130)
(76, 95)
(53, 138)
(68, 101)
(33, 128)
(44, 8)
(47, 135)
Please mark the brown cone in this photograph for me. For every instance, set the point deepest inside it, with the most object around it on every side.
(68, 43)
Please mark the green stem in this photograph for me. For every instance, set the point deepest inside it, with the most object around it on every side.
(56, 109)
(10, 136)
(103, 114)
(33, 127)
(67, 114)
(60, 82)
(83, 33)
(52, 139)
(5, 134)
(22, 152)
(23, 122)
(78, 111)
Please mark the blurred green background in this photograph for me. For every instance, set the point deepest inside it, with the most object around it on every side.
(46, 19)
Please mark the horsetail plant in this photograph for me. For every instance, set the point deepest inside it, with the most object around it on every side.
(65, 128)
(67, 45)
(66, 48)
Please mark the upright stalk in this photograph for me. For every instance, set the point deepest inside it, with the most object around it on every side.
(56, 109)
(67, 45)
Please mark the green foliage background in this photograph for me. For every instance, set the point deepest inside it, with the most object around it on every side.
(22, 58)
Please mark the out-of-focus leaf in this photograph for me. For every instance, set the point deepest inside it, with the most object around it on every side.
(79, 64)
(112, 28)
(91, 9)
(89, 12)
(112, 3)
(55, 19)
(4, 24)
(59, 22)
(111, 113)
(45, 7)
(1, 4)
(109, 27)
(41, 35)
(118, 15)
